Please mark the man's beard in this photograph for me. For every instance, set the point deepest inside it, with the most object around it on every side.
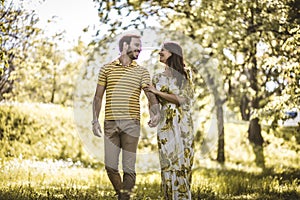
(131, 55)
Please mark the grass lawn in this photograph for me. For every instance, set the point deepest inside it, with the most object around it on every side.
(27, 179)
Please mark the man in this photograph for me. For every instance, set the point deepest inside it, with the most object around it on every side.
(123, 80)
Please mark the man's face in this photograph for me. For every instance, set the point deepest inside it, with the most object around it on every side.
(134, 48)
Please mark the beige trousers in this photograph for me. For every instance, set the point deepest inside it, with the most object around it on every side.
(121, 135)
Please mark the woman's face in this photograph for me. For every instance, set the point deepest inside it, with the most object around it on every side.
(164, 54)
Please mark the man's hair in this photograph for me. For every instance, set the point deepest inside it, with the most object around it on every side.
(127, 38)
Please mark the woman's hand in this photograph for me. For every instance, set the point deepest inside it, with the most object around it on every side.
(150, 88)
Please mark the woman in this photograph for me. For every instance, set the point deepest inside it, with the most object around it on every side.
(175, 136)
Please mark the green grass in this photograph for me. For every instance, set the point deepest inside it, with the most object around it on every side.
(25, 179)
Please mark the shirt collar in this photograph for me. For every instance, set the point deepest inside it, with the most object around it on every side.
(118, 63)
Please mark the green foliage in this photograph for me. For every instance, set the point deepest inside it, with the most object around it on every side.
(48, 76)
(34, 67)
(39, 131)
(18, 27)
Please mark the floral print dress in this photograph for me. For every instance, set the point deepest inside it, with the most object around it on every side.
(175, 139)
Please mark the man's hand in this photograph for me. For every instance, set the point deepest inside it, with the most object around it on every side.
(96, 128)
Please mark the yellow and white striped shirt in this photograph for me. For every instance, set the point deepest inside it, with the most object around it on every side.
(123, 88)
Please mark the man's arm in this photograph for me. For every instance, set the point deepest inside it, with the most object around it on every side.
(97, 102)
(153, 109)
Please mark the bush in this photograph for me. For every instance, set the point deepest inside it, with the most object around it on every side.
(39, 131)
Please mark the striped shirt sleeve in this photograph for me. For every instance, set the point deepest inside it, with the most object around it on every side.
(145, 77)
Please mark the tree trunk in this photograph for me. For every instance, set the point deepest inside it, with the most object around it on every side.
(254, 132)
(53, 87)
(6, 82)
(256, 140)
(244, 108)
(220, 119)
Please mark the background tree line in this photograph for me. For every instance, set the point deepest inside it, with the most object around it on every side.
(34, 67)
(254, 45)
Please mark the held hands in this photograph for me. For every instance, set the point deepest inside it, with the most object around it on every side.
(154, 120)
(154, 116)
(96, 128)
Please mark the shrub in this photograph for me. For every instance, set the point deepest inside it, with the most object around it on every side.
(39, 131)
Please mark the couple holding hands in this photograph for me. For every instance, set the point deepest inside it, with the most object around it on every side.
(170, 96)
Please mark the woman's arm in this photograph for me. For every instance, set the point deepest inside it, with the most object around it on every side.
(172, 98)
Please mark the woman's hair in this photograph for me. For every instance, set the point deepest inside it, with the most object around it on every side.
(175, 62)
